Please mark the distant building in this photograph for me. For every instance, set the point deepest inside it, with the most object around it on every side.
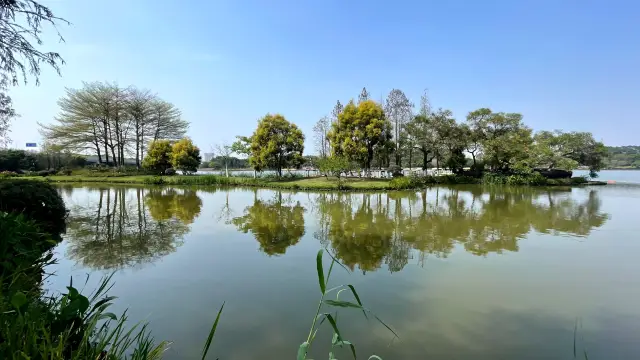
(208, 156)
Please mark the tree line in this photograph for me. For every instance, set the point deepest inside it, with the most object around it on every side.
(366, 134)
(623, 157)
(114, 122)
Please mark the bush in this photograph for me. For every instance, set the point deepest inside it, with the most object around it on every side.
(45, 172)
(494, 179)
(395, 170)
(156, 180)
(38, 201)
(477, 169)
(170, 172)
(65, 172)
(23, 245)
(402, 183)
(579, 180)
(8, 174)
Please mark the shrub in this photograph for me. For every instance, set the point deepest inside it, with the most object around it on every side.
(21, 250)
(579, 180)
(8, 174)
(156, 180)
(477, 169)
(494, 179)
(395, 170)
(38, 201)
(170, 172)
(401, 183)
(65, 172)
(45, 172)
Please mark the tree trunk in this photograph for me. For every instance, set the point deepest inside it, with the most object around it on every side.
(425, 162)
(98, 151)
(410, 158)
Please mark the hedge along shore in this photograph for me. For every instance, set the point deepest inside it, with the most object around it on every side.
(315, 183)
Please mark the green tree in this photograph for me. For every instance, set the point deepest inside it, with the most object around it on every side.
(398, 109)
(158, 157)
(424, 137)
(359, 131)
(276, 144)
(185, 156)
(568, 150)
(506, 141)
(334, 165)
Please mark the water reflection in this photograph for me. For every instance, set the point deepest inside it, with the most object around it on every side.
(367, 230)
(276, 223)
(123, 227)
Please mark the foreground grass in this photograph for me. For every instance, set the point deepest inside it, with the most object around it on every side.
(316, 183)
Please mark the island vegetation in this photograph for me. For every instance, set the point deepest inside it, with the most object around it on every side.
(138, 136)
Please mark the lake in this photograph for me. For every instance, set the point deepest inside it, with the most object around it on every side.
(459, 272)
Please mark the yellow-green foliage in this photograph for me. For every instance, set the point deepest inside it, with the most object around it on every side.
(276, 144)
(158, 156)
(360, 130)
(185, 156)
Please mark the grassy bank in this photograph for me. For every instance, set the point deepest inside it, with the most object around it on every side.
(315, 183)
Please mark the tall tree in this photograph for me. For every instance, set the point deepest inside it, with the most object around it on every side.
(320, 131)
(140, 111)
(276, 144)
(337, 109)
(364, 95)
(425, 137)
(398, 109)
(360, 130)
(114, 122)
(506, 141)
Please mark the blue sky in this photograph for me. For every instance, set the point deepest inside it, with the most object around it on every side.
(571, 65)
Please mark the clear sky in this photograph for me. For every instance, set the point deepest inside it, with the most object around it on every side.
(563, 64)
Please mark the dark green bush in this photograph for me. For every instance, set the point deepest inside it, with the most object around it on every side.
(494, 179)
(38, 201)
(579, 180)
(395, 171)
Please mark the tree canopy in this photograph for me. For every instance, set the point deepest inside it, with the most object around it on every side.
(276, 144)
(113, 122)
(185, 156)
(159, 156)
(359, 131)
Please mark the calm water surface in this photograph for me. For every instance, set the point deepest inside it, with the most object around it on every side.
(460, 273)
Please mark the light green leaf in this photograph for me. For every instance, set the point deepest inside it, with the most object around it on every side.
(320, 272)
(302, 351)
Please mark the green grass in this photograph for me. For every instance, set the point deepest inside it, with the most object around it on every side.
(317, 183)
(314, 183)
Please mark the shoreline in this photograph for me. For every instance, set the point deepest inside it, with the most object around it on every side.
(311, 183)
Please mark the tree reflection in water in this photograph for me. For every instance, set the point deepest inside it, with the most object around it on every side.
(367, 230)
(125, 227)
(276, 224)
